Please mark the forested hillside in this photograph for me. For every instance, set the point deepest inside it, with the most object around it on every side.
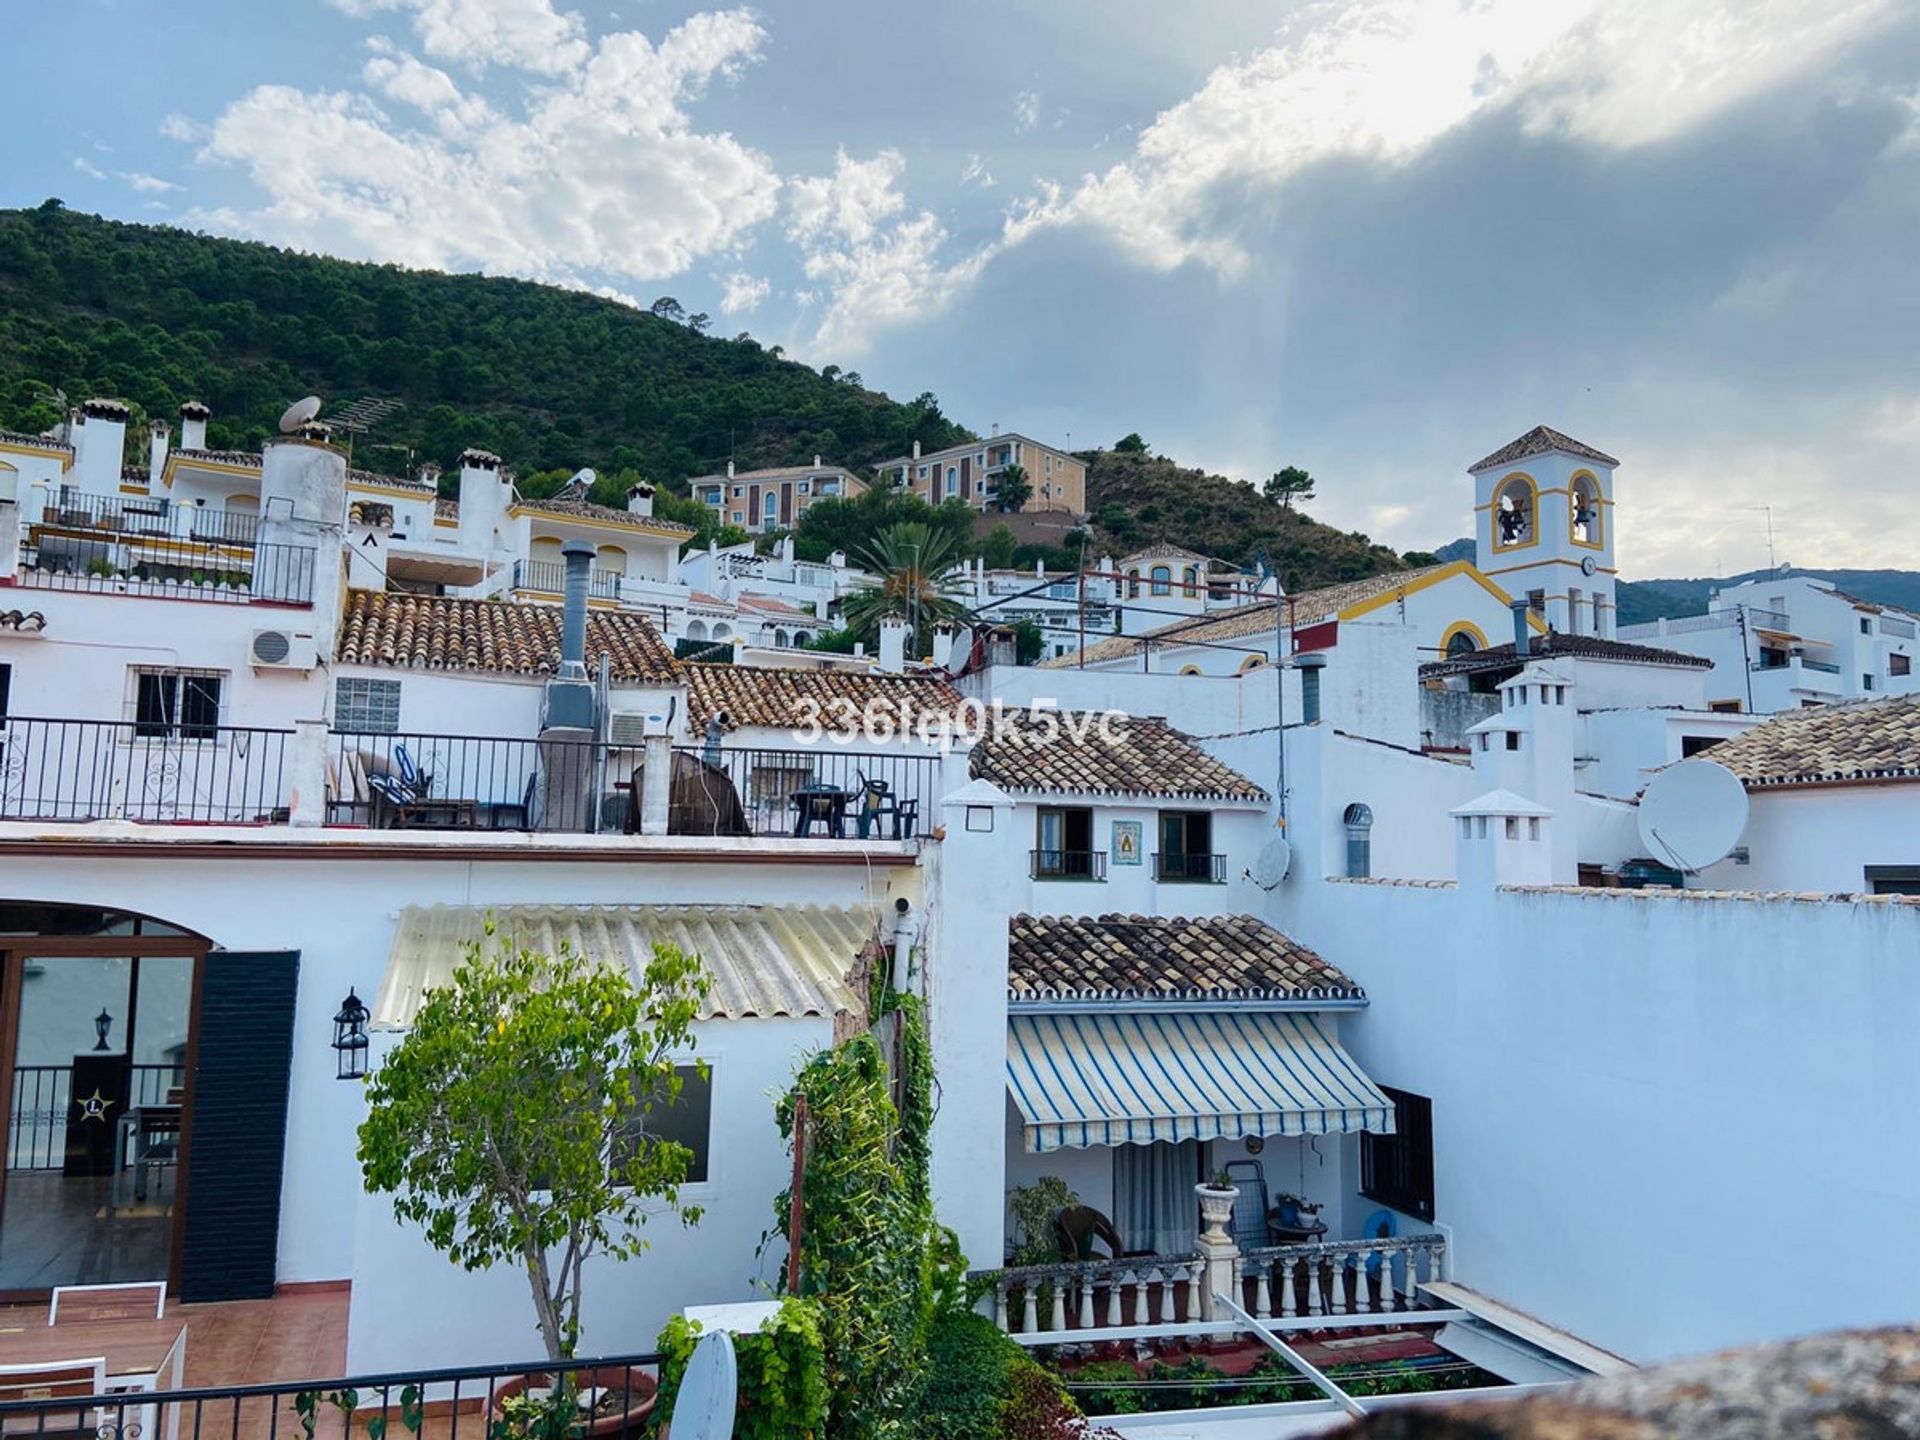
(546, 377)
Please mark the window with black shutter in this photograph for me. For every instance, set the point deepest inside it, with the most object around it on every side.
(176, 704)
(1397, 1169)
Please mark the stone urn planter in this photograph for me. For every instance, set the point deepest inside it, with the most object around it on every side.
(622, 1400)
(1216, 1211)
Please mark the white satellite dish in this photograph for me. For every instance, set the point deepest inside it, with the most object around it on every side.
(299, 413)
(1692, 814)
(1270, 865)
(709, 1390)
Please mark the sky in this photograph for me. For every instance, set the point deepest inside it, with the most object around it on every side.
(1374, 238)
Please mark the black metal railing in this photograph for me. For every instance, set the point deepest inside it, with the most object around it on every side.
(1068, 864)
(172, 568)
(42, 1095)
(415, 781)
(1192, 868)
(830, 791)
(177, 772)
(1768, 663)
(477, 1401)
(549, 577)
(148, 517)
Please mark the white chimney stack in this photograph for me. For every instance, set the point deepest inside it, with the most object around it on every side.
(916, 449)
(485, 492)
(943, 634)
(156, 450)
(640, 499)
(193, 425)
(893, 645)
(100, 454)
(729, 469)
(996, 429)
(816, 462)
(1501, 838)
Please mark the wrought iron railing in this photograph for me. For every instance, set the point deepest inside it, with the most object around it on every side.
(172, 569)
(1801, 661)
(1189, 867)
(418, 781)
(1068, 864)
(549, 577)
(177, 772)
(42, 1095)
(144, 517)
(473, 1401)
(829, 791)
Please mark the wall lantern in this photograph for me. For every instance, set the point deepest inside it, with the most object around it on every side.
(350, 1038)
(102, 1023)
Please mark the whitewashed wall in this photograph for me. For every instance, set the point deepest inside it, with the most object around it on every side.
(1822, 838)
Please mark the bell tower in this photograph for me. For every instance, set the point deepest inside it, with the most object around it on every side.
(1543, 528)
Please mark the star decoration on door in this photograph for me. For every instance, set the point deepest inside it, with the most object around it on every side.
(94, 1107)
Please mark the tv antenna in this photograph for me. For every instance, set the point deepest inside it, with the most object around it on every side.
(1767, 510)
(361, 417)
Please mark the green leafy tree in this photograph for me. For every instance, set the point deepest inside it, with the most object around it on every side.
(1288, 485)
(918, 569)
(699, 323)
(510, 1122)
(1131, 444)
(999, 547)
(1015, 489)
(668, 308)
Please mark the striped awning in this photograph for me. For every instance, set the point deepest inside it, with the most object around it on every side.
(1118, 1079)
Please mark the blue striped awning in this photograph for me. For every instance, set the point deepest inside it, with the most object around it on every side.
(1117, 1079)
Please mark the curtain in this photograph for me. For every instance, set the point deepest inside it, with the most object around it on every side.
(1153, 1196)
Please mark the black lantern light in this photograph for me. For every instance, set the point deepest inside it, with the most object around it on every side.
(102, 1023)
(350, 1038)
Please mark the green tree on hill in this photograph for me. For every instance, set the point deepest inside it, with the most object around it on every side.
(1131, 444)
(1288, 485)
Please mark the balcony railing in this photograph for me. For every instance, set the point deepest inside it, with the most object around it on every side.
(1190, 868)
(140, 517)
(549, 577)
(1068, 864)
(1893, 625)
(1797, 661)
(832, 792)
(172, 569)
(42, 1096)
(174, 773)
(466, 1402)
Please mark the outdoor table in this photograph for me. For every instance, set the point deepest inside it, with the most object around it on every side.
(822, 804)
(141, 1355)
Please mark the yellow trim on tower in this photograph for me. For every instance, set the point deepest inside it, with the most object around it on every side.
(1463, 627)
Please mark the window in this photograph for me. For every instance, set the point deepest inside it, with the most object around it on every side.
(1537, 601)
(176, 704)
(1064, 845)
(1513, 513)
(1899, 664)
(1161, 577)
(1691, 745)
(1133, 584)
(738, 517)
(1397, 1169)
(805, 487)
(687, 1121)
(368, 706)
(1866, 626)
(1189, 579)
(1866, 682)
(1724, 707)
(738, 491)
(770, 507)
(1513, 739)
(953, 480)
(6, 687)
(1186, 847)
(712, 497)
(1893, 879)
(1359, 822)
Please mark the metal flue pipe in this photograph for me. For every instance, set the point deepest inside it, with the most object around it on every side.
(578, 555)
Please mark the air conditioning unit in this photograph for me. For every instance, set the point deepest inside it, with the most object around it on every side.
(282, 650)
(629, 728)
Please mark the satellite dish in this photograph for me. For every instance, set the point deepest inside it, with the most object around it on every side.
(299, 413)
(1692, 814)
(1270, 865)
(709, 1390)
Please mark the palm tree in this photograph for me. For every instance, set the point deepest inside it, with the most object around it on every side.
(917, 566)
(1015, 489)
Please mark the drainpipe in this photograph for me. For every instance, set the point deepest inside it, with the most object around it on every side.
(906, 930)
(1522, 630)
(1310, 666)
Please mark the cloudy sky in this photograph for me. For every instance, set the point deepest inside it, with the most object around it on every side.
(1376, 238)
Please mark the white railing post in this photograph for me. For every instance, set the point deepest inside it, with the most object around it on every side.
(1314, 1306)
(1262, 1290)
(1000, 1306)
(1057, 1314)
(1086, 1302)
(1029, 1307)
(1113, 1301)
(1289, 1305)
(1139, 1279)
(1195, 1272)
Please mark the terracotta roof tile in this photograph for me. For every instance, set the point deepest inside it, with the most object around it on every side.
(436, 632)
(222, 457)
(606, 514)
(840, 699)
(1539, 441)
(446, 509)
(1074, 753)
(1559, 645)
(1222, 627)
(34, 442)
(1161, 957)
(1861, 740)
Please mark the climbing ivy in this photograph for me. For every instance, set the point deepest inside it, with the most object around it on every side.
(783, 1373)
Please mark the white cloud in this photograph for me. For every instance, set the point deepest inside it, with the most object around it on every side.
(1382, 80)
(522, 34)
(975, 172)
(740, 292)
(187, 132)
(850, 204)
(147, 184)
(87, 168)
(602, 176)
(1026, 109)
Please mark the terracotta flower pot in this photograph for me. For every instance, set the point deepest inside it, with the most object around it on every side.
(622, 1411)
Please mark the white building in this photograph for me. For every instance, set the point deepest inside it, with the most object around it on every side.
(1792, 641)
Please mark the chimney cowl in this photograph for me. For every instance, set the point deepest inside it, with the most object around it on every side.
(194, 410)
(474, 458)
(102, 408)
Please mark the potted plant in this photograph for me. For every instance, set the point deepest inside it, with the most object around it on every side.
(1216, 1206)
(491, 1124)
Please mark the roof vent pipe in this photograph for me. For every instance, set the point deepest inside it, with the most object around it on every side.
(1522, 628)
(578, 555)
(1310, 665)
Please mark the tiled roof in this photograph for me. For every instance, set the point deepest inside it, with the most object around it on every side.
(222, 457)
(446, 509)
(777, 472)
(1222, 627)
(436, 632)
(1561, 645)
(390, 482)
(840, 699)
(1081, 752)
(1162, 957)
(1163, 551)
(606, 514)
(34, 442)
(773, 606)
(1861, 740)
(1541, 440)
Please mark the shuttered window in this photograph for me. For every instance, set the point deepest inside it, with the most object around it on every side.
(1397, 1170)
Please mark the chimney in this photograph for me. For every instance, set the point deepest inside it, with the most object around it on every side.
(193, 425)
(996, 430)
(893, 645)
(916, 449)
(484, 493)
(838, 559)
(640, 499)
(786, 547)
(156, 450)
(578, 555)
(429, 474)
(101, 453)
(943, 634)
(729, 469)
(1310, 665)
(816, 462)
(1522, 629)
(1002, 647)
